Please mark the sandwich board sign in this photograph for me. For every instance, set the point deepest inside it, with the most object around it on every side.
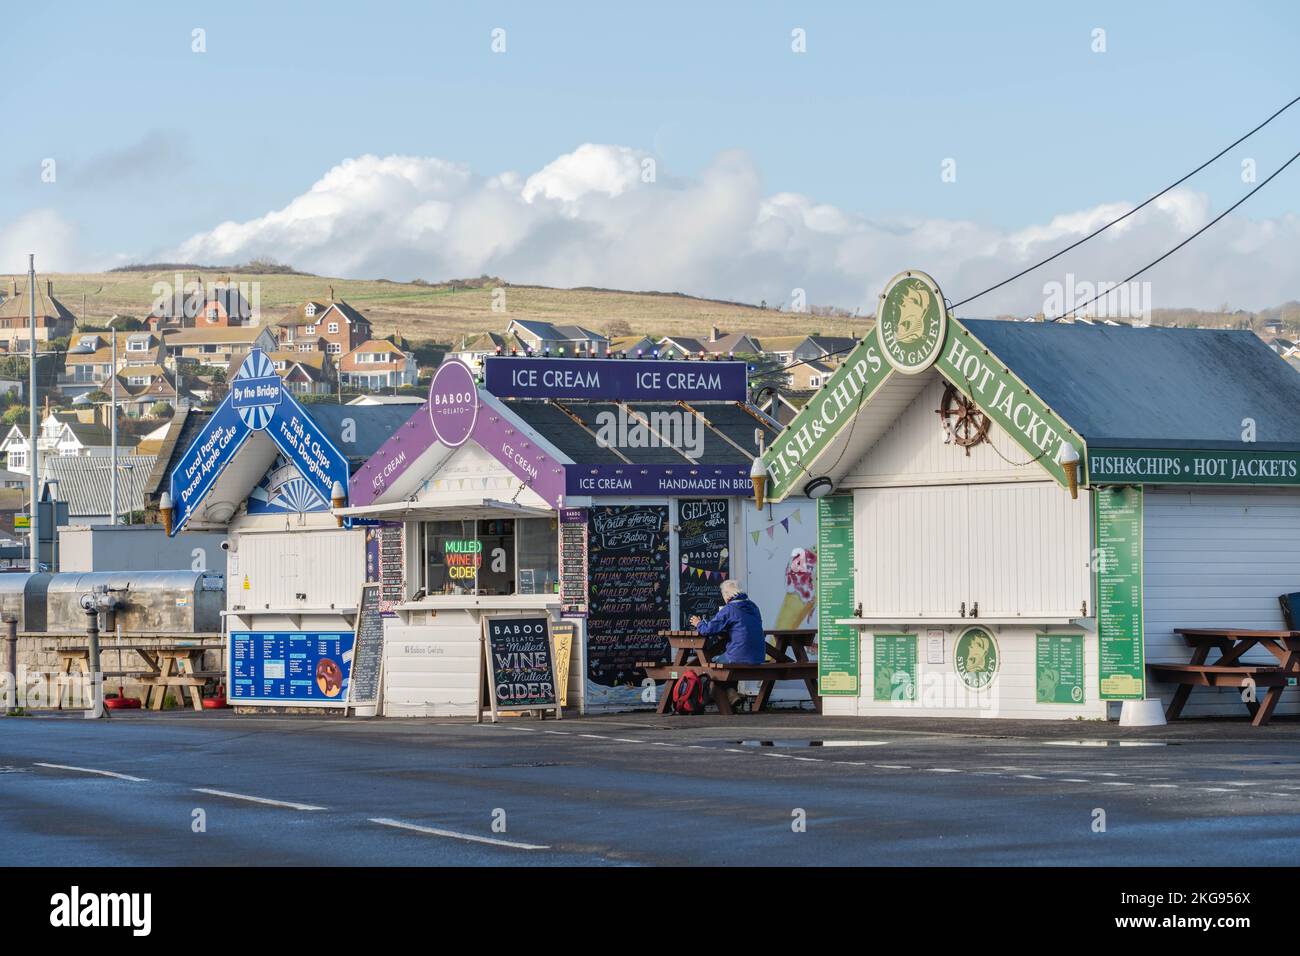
(517, 666)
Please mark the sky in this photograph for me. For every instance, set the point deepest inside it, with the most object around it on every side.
(758, 152)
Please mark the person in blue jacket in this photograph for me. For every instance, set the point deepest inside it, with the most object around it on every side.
(739, 621)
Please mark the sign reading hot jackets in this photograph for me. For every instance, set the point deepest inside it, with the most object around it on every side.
(618, 380)
(257, 401)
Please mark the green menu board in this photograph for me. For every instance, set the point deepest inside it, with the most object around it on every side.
(1117, 559)
(837, 644)
(1059, 669)
(893, 662)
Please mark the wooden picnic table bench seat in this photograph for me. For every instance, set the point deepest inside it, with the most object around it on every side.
(1232, 643)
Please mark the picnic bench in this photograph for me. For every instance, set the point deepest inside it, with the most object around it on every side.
(1228, 671)
(165, 666)
(787, 651)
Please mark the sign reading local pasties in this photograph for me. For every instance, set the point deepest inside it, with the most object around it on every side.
(837, 644)
(1058, 669)
(976, 657)
(254, 403)
(893, 666)
(615, 379)
(1121, 659)
(911, 321)
(1200, 467)
(1008, 401)
(790, 458)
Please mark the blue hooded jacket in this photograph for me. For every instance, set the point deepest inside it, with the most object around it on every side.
(741, 621)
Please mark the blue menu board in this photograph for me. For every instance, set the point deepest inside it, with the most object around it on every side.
(290, 667)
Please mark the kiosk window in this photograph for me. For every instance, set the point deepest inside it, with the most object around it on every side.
(539, 557)
(489, 556)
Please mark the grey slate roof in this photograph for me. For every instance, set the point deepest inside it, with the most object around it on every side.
(374, 423)
(728, 418)
(1122, 387)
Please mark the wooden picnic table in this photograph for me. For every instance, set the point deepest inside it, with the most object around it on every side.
(1228, 671)
(787, 648)
(166, 665)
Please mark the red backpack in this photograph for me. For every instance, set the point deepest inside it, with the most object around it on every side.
(691, 693)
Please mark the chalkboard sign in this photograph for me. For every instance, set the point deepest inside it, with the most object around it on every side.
(629, 580)
(703, 555)
(367, 648)
(520, 667)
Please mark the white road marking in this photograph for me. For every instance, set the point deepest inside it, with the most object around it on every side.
(101, 773)
(561, 733)
(1217, 790)
(813, 759)
(1029, 776)
(628, 740)
(891, 766)
(1163, 786)
(288, 804)
(850, 763)
(468, 837)
(1115, 783)
(595, 737)
(1073, 780)
(733, 750)
(942, 770)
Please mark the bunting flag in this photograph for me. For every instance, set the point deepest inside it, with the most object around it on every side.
(798, 516)
(785, 523)
(703, 573)
(771, 531)
(754, 535)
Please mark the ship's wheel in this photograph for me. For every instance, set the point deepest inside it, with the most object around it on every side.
(964, 423)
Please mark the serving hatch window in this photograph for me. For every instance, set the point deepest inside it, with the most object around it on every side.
(489, 556)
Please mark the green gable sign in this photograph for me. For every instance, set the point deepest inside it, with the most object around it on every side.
(790, 457)
(914, 332)
(1139, 466)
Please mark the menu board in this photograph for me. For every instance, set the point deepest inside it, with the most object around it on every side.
(703, 554)
(1058, 668)
(385, 564)
(893, 662)
(573, 562)
(629, 581)
(367, 648)
(1118, 562)
(521, 671)
(837, 644)
(290, 667)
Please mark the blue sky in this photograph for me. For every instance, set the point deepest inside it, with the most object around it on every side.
(156, 144)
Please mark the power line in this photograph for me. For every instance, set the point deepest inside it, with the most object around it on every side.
(1155, 262)
(1098, 232)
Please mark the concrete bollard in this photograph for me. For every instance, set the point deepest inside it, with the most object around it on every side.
(11, 660)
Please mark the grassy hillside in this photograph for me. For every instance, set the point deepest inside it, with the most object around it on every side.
(444, 313)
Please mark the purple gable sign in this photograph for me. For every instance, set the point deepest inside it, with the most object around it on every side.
(453, 415)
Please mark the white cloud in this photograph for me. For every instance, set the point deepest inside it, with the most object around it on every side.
(47, 234)
(588, 218)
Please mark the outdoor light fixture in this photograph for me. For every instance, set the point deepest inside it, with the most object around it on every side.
(758, 475)
(819, 487)
(165, 509)
(1069, 460)
(338, 497)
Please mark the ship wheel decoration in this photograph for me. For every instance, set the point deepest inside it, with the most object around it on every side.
(962, 420)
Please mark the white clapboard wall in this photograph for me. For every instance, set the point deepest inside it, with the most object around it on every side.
(1218, 558)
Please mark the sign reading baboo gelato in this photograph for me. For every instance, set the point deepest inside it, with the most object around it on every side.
(453, 403)
(976, 657)
(911, 322)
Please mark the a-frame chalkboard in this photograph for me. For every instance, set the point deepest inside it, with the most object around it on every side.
(517, 666)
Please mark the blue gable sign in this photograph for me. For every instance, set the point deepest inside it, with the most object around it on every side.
(258, 401)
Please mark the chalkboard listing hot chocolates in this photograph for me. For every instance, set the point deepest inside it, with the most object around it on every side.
(629, 579)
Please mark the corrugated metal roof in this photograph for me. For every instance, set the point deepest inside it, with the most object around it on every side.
(1153, 387)
(372, 424)
(85, 482)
